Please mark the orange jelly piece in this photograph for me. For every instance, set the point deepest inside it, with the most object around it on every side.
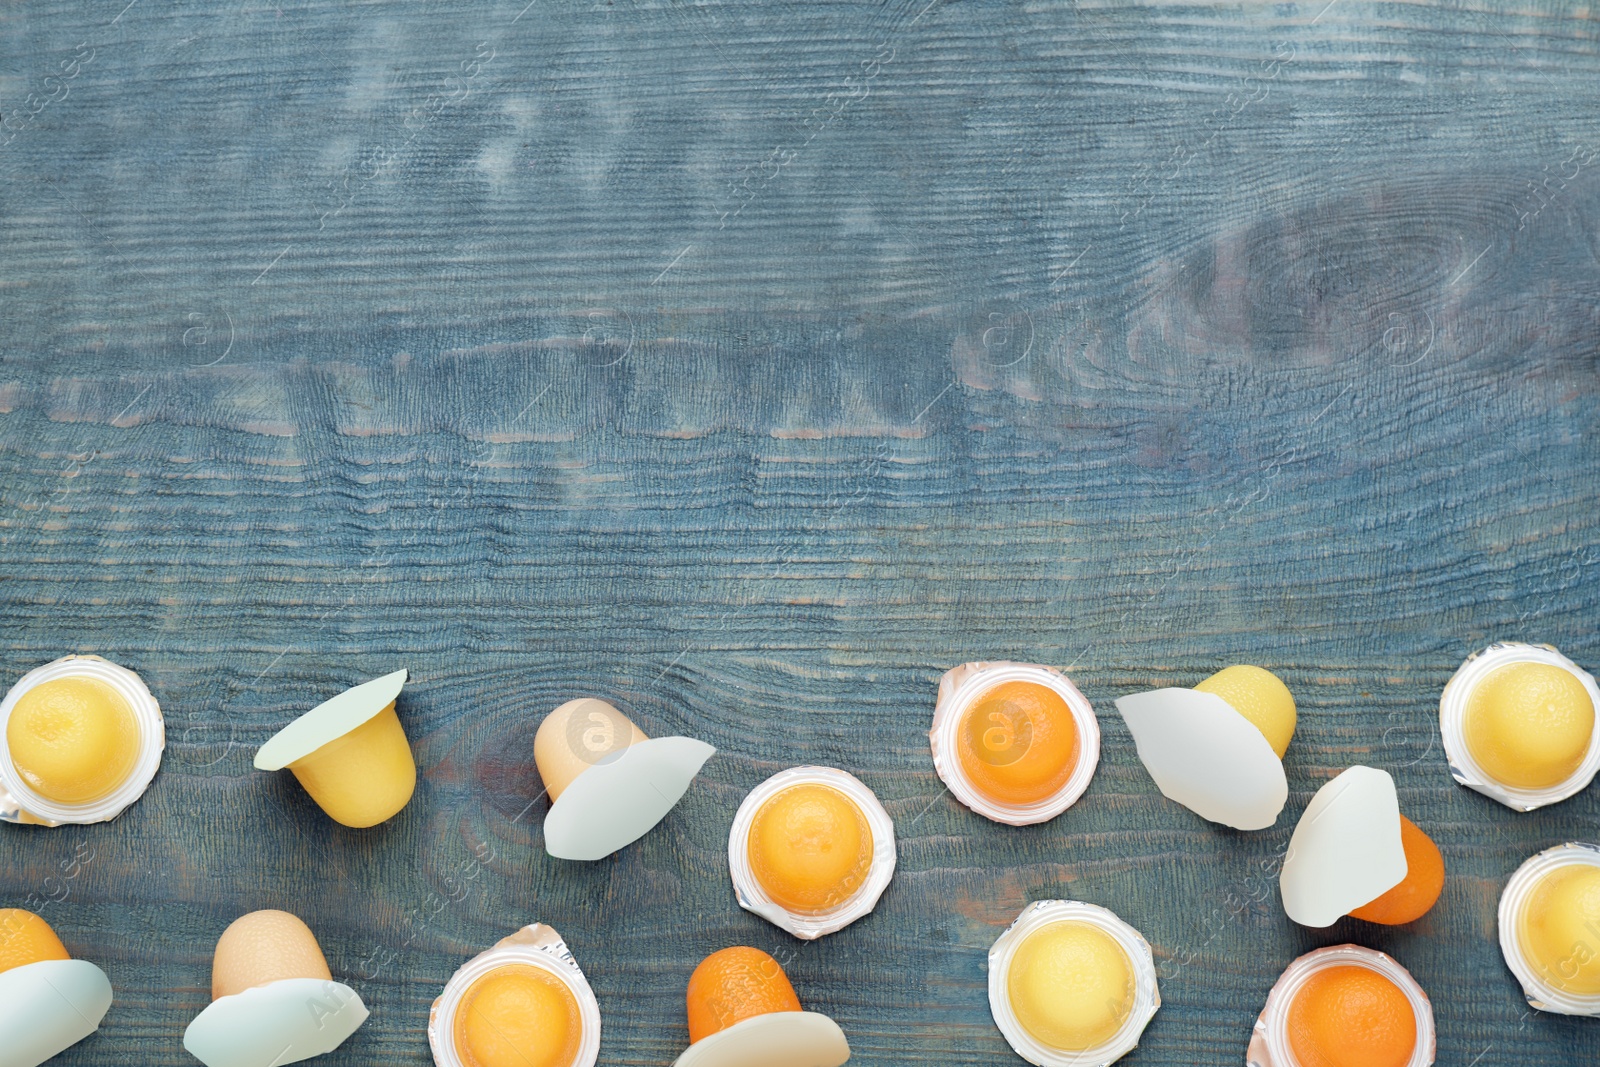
(1018, 743)
(1351, 1016)
(1419, 891)
(25, 938)
(810, 848)
(518, 1016)
(734, 985)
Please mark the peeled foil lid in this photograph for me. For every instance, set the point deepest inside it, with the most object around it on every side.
(281, 1022)
(780, 1039)
(536, 945)
(1346, 849)
(621, 798)
(329, 721)
(19, 804)
(1206, 756)
(47, 1007)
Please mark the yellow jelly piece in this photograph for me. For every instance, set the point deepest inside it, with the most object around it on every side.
(1528, 724)
(810, 848)
(1071, 986)
(1260, 696)
(518, 1016)
(364, 776)
(1561, 928)
(73, 740)
(25, 938)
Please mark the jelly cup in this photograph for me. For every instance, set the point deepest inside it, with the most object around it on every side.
(963, 685)
(609, 784)
(274, 1000)
(1514, 898)
(1269, 1041)
(1146, 996)
(536, 945)
(50, 1002)
(860, 901)
(1453, 715)
(21, 804)
(350, 753)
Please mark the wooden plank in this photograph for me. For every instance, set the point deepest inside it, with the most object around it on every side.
(749, 365)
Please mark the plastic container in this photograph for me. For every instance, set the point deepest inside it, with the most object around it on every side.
(1453, 716)
(1146, 996)
(1269, 1042)
(536, 945)
(20, 804)
(1513, 899)
(812, 925)
(963, 685)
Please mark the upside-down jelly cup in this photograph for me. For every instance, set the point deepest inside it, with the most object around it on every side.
(1015, 742)
(1271, 1042)
(1549, 918)
(1517, 709)
(350, 753)
(523, 1001)
(1095, 1019)
(811, 850)
(80, 740)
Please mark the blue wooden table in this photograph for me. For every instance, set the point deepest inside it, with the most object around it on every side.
(748, 365)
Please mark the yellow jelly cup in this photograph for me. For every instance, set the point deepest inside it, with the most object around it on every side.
(1141, 962)
(1457, 696)
(350, 753)
(1269, 1040)
(1541, 993)
(20, 803)
(537, 946)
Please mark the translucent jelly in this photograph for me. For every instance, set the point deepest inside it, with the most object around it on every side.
(1018, 743)
(1071, 986)
(1529, 725)
(73, 740)
(810, 848)
(518, 1015)
(1351, 1016)
(1560, 929)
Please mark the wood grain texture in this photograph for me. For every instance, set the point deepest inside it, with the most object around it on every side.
(749, 365)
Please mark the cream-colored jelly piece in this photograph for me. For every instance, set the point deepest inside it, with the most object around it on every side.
(1346, 849)
(1206, 756)
(282, 1022)
(49, 1006)
(350, 753)
(535, 945)
(609, 784)
(20, 804)
(779, 1039)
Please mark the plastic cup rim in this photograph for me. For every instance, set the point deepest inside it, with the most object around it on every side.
(947, 721)
(1146, 995)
